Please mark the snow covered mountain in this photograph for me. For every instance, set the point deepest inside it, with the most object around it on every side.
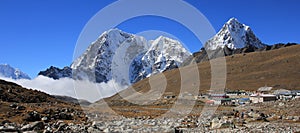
(127, 58)
(163, 54)
(234, 35)
(10, 72)
(108, 57)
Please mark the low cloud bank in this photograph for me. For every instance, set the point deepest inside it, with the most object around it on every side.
(82, 89)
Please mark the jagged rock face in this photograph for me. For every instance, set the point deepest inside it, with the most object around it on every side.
(164, 54)
(114, 56)
(95, 63)
(10, 72)
(100, 63)
(57, 73)
(234, 35)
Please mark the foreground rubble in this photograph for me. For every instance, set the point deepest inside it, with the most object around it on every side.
(149, 125)
(46, 114)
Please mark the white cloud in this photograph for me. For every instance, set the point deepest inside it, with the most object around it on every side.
(68, 87)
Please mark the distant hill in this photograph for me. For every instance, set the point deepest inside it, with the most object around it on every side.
(21, 105)
(11, 92)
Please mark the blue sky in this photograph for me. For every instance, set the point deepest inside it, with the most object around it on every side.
(36, 34)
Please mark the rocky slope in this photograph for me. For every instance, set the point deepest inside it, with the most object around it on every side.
(30, 110)
(57, 73)
(10, 72)
(11, 92)
(164, 54)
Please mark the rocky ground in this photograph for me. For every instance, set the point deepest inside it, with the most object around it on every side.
(23, 110)
(255, 118)
(21, 114)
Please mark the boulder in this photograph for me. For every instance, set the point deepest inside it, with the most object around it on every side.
(48, 130)
(93, 130)
(290, 118)
(33, 116)
(14, 105)
(38, 125)
(296, 118)
(61, 126)
(281, 104)
(45, 119)
(215, 123)
(8, 129)
(65, 116)
(4, 122)
(21, 108)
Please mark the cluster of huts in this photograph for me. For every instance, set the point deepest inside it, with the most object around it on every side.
(239, 97)
(263, 94)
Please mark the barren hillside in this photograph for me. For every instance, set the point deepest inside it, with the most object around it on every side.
(278, 68)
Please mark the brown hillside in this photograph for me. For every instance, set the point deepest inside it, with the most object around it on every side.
(21, 105)
(279, 68)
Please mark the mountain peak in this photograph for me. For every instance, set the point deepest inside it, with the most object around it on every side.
(114, 34)
(232, 20)
(9, 72)
(234, 23)
(234, 35)
(164, 40)
(161, 38)
(113, 31)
